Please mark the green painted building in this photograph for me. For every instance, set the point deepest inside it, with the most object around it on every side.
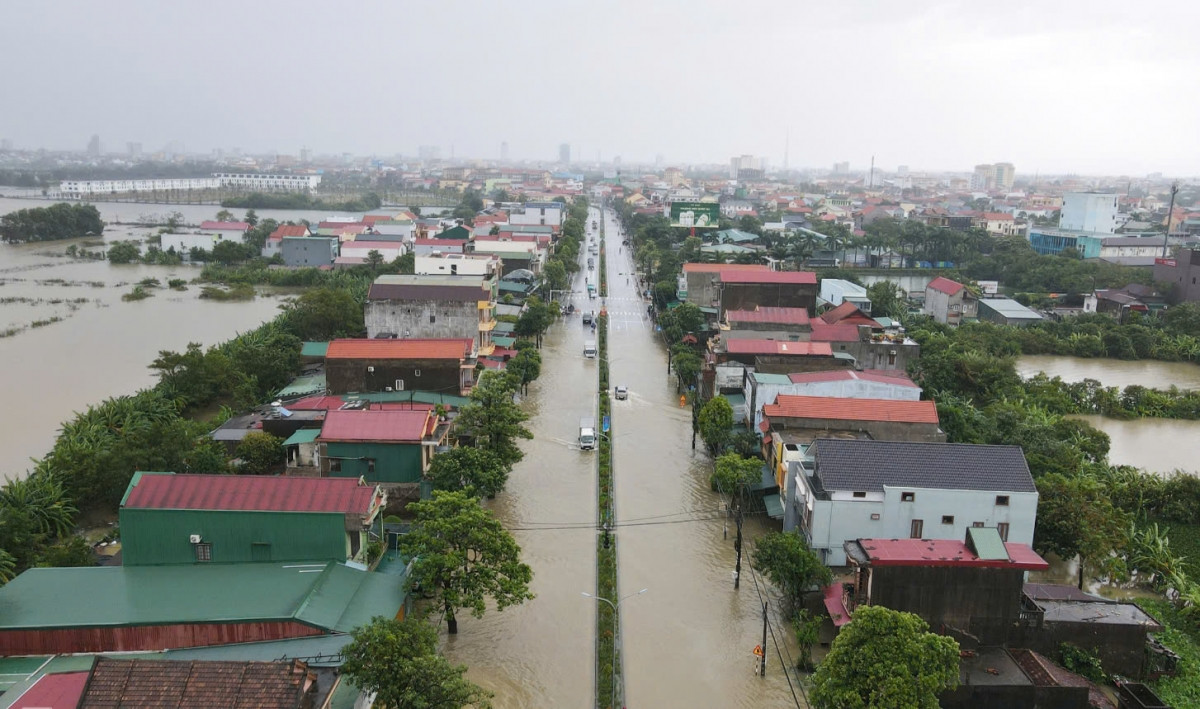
(381, 446)
(197, 519)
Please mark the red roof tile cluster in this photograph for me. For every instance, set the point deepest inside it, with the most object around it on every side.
(249, 492)
(372, 425)
(227, 226)
(778, 347)
(946, 552)
(448, 348)
(848, 313)
(945, 285)
(289, 230)
(788, 277)
(841, 332)
(837, 375)
(997, 216)
(847, 409)
(440, 242)
(786, 316)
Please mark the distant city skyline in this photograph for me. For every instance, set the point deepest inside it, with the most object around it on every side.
(936, 86)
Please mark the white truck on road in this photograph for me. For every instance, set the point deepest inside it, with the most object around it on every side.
(587, 433)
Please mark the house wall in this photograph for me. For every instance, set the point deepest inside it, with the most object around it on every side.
(157, 536)
(878, 355)
(343, 376)
(146, 637)
(937, 305)
(979, 601)
(835, 521)
(702, 289)
(785, 364)
(309, 251)
(1120, 647)
(415, 319)
(393, 462)
(745, 296)
(391, 252)
(182, 243)
(878, 430)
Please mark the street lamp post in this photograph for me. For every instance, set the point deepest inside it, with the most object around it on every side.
(614, 607)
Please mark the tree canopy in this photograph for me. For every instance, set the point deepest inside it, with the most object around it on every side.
(885, 659)
(463, 556)
(58, 221)
(475, 470)
(716, 423)
(326, 313)
(493, 420)
(785, 559)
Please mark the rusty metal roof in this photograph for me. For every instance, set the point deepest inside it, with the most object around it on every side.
(842, 408)
(444, 348)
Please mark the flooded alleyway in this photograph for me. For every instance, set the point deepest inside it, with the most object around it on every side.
(688, 640)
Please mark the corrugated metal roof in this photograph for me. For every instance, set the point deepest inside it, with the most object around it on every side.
(304, 435)
(313, 349)
(109, 596)
(373, 425)
(1009, 308)
(786, 277)
(848, 312)
(465, 293)
(837, 375)
(847, 409)
(841, 332)
(780, 347)
(946, 552)
(945, 285)
(986, 543)
(166, 491)
(446, 348)
(870, 465)
(790, 316)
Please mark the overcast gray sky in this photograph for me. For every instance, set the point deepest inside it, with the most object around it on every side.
(1052, 86)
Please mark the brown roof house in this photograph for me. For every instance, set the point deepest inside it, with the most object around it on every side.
(198, 684)
(444, 366)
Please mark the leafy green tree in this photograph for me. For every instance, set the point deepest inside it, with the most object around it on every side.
(885, 659)
(324, 314)
(732, 473)
(69, 551)
(555, 275)
(687, 365)
(463, 556)
(406, 264)
(474, 470)
(887, 299)
(1076, 517)
(785, 559)
(42, 498)
(228, 252)
(260, 453)
(493, 420)
(398, 662)
(716, 423)
(374, 260)
(225, 216)
(527, 366)
(535, 319)
(58, 221)
(124, 252)
(251, 218)
(1183, 319)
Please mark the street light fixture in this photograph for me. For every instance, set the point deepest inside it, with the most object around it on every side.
(614, 652)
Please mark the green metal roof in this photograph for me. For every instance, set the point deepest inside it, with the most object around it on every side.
(303, 385)
(505, 327)
(774, 505)
(766, 378)
(420, 397)
(314, 349)
(987, 543)
(316, 594)
(503, 341)
(514, 287)
(304, 435)
(709, 311)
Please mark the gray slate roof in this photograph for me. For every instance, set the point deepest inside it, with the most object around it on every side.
(870, 465)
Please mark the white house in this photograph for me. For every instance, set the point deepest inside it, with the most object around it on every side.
(404, 228)
(851, 489)
(836, 291)
(207, 237)
(390, 250)
(457, 264)
(539, 213)
(761, 388)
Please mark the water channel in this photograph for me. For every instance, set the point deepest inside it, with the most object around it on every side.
(1155, 445)
(102, 345)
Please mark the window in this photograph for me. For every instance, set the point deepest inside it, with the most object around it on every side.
(947, 519)
(908, 496)
(917, 529)
(892, 359)
(977, 525)
(1002, 500)
(1002, 528)
(370, 465)
(203, 551)
(335, 466)
(860, 494)
(432, 318)
(416, 372)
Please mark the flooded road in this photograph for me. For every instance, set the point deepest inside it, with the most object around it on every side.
(71, 341)
(687, 641)
(542, 653)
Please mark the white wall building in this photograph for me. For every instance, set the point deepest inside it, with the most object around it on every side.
(1090, 212)
(457, 265)
(206, 237)
(836, 291)
(390, 250)
(859, 489)
(269, 183)
(79, 189)
(540, 214)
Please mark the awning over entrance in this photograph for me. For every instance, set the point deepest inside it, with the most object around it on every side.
(835, 605)
(774, 505)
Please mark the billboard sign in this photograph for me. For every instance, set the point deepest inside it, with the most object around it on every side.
(695, 215)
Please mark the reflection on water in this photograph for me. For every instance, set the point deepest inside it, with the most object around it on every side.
(1156, 445)
(1113, 372)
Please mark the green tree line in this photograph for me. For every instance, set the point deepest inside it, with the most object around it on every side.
(58, 221)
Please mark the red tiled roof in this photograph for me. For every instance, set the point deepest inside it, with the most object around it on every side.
(721, 267)
(395, 426)
(837, 375)
(249, 492)
(231, 226)
(997, 216)
(789, 316)
(780, 347)
(946, 552)
(179, 684)
(54, 691)
(848, 313)
(945, 285)
(289, 230)
(447, 348)
(847, 409)
(841, 332)
(793, 277)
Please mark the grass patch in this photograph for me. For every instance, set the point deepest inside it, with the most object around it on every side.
(1182, 690)
(241, 291)
(139, 292)
(1185, 542)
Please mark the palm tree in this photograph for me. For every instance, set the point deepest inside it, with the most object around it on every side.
(42, 498)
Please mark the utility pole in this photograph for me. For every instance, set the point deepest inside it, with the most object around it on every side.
(762, 670)
(1170, 213)
(737, 543)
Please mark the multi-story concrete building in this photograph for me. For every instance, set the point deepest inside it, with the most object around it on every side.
(540, 214)
(308, 251)
(1090, 212)
(269, 183)
(949, 302)
(445, 365)
(839, 490)
(1003, 174)
(429, 306)
(1182, 272)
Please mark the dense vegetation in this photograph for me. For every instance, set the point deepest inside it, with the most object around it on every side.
(58, 221)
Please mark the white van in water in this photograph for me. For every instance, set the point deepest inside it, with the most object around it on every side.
(589, 349)
(587, 434)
